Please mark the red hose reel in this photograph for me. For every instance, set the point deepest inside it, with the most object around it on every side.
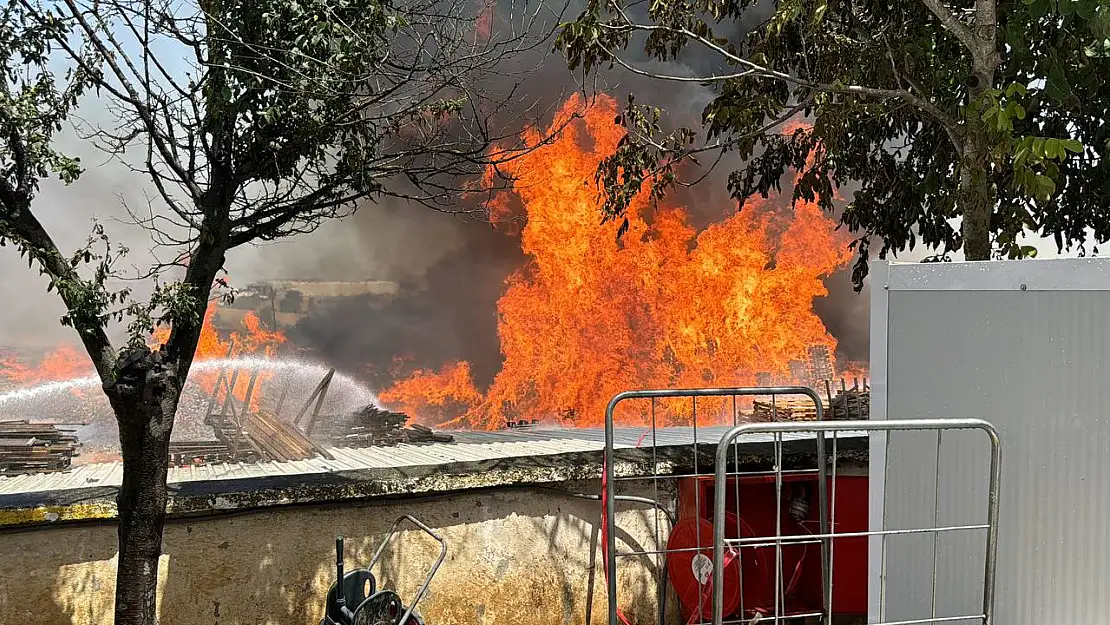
(690, 567)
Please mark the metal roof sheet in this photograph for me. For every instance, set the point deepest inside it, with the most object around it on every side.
(467, 447)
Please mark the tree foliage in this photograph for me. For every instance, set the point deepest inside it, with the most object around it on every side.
(958, 126)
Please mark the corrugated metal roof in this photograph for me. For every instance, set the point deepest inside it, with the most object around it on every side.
(467, 447)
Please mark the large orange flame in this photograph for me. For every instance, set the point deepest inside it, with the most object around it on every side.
(434, 397)
(664, 306)
(63, 363)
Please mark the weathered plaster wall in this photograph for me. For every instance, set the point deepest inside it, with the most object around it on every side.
(514, 556)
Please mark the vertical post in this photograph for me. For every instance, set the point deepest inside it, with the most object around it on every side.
(250, 389)
(992, 523)
(610, 512)
(823, 500)
(219, 380)
(325, 384)
(779, 582)
(229, 400)
(281, 398)
(273, 307)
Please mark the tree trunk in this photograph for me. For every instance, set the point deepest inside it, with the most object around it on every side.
(976, 201)
(976, 196)
(144, 399)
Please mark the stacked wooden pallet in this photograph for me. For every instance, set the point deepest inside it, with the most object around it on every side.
(784, 409)
(373, 426)
(27, 447)
(187, 453)
(853, 403)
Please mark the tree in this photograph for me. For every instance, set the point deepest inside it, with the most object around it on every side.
(253, 121)
(987, 112)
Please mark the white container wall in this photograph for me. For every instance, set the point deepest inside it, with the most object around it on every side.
(1026, 346)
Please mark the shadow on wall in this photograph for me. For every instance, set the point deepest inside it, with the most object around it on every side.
(58, 575)
(511, 554)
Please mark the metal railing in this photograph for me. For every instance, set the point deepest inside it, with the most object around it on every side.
(699, 425)
(652, 459)
(826, 537)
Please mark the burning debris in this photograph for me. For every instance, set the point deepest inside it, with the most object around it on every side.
(848, 403)
(851, 403)
(27, 447)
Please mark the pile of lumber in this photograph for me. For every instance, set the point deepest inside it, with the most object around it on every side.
(193, 453)
(372, 426)
(784, 409)
(277, 439)
(417, 433)
(27, 447)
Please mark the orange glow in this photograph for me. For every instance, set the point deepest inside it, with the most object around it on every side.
(253, 340)
(664, 306)
(483, 25)
(855, 370)
(434, 397)
(67, 362)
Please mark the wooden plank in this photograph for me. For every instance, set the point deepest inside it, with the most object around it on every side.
(278, 438)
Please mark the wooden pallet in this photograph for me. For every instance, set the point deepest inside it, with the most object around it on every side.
(784, 410)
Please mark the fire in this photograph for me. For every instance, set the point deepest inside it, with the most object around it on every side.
(855, 370)
(664, 306)
(67, 362)
(434, 397)
(253, 340)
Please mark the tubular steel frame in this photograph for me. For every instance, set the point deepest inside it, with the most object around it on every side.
(431, 572)
(610, 478)
(826, 467)
(886, 427)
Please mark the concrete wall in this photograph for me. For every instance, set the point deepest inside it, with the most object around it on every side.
(514, 556)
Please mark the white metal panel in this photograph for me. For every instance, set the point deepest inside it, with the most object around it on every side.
(967, 340)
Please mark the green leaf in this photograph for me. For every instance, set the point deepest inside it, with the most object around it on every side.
(1038, 147)
(1046, 187)
(819, 13)
(1072, 145)
(1052, 148)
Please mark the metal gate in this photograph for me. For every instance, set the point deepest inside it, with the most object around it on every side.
(716, 553)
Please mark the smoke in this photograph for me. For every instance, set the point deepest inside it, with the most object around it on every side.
(31, 318)
(452, 274)
(452, 269)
